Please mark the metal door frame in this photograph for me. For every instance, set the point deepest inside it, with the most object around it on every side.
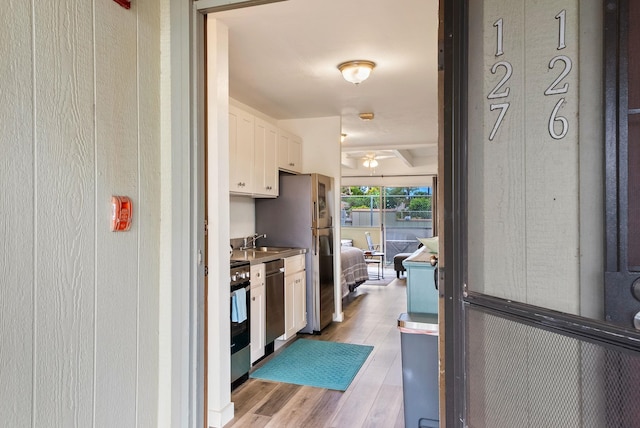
(452, 176)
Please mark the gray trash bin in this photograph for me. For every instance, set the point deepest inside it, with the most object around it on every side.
(419, 347)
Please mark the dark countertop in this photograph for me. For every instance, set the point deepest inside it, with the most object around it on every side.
(265, 254)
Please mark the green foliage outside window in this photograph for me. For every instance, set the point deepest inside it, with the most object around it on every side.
(409, 203)
(420, 204)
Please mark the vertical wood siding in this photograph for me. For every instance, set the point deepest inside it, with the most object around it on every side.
(79, 108)
(17, 276)
(524, 188)
(64, 213)
(148, 213)
(526, 206)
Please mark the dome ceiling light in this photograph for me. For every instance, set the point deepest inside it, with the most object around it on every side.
(357, 71)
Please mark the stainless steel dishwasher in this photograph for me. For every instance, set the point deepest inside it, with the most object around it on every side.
(274, 300)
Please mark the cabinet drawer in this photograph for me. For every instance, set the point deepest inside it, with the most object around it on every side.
(294, 264)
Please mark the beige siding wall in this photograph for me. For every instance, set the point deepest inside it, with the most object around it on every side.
(535, 214)
(79, 108)
(526, 201)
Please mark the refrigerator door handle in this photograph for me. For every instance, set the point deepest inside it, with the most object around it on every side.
(314, 218)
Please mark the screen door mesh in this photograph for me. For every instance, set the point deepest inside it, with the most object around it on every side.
(523, 376)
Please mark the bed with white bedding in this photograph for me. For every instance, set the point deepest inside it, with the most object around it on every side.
(354, 269)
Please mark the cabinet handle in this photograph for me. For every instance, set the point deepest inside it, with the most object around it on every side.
(253, 298)
(292, 164)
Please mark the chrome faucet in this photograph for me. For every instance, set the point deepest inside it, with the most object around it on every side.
(250, 241)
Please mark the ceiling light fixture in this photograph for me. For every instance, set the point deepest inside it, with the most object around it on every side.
(356, 72)
(366, 116)
(370, 162)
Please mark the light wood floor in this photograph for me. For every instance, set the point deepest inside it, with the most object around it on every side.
(374, 398)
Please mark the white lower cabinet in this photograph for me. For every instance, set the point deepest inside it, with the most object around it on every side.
(299, 301)
(258, 312)
(295, 295)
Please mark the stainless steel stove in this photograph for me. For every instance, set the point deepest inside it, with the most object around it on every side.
(239, 278)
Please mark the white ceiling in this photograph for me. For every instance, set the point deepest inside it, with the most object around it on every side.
(284, 56)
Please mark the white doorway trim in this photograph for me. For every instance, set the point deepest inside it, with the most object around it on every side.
(180, 325)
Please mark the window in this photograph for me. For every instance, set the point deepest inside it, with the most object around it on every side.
(407, 215)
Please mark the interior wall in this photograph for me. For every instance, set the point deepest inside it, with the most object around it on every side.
(321, 143)
(80, 111)
(242, 216)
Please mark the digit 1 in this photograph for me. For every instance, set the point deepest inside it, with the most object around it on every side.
(562, 17)
(498, 25)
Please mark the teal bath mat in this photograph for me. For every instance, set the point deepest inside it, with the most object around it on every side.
(318, 363)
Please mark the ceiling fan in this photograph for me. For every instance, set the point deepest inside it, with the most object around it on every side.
(370, 160)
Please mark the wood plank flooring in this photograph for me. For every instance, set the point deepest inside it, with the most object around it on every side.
(374, 398)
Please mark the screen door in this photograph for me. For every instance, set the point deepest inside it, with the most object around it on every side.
(530, 336)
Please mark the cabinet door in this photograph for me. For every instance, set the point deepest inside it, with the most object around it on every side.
(296, 295)
(283, 149)
(258, 312)
(265, 167)
(257, 323)
(295, 153)
(241, 142)
(289, 151)
(289, 302)
(299, 300)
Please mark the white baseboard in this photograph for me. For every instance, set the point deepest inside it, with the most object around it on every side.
(218, 418)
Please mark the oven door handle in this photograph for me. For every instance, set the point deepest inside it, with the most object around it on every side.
(247, 288)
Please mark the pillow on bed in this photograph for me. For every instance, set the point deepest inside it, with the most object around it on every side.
(430, 243)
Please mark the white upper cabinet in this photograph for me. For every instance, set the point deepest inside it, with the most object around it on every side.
(241, 151)
(265, 169)
(289, 151)
(257, 149)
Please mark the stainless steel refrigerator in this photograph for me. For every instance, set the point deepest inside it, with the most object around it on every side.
(302, 216)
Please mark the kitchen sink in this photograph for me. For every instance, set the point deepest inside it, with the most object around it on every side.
(269, 249)
(257, 253)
